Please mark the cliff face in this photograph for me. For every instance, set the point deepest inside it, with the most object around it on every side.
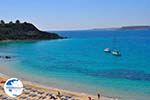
(24, 31)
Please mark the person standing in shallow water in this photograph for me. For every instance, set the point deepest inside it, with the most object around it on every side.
(99, 96)
(58, 94)
(90, 98)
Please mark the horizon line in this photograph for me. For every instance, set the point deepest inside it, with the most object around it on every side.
(92, 28)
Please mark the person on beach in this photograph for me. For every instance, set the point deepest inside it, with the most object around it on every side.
(99, 96)
(58, 94)
(90, 98)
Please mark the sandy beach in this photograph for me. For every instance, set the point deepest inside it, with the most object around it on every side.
(34, 91)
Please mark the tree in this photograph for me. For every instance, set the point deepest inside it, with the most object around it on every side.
(25, 23)
(10, 22)
(2, 22)
(17, 22)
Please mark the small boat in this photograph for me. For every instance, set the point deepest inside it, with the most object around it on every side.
(116, 53)
(107, 50)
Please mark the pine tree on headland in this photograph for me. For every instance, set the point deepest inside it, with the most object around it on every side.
(25, 23)
(17, 22)
(10, 22)
(2, 22)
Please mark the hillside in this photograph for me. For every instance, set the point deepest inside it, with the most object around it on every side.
(24, 31)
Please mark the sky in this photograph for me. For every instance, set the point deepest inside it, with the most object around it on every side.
(77, 14)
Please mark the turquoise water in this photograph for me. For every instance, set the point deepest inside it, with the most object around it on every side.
(79, 63)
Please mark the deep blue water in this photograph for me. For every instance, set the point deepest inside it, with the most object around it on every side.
(79, 63)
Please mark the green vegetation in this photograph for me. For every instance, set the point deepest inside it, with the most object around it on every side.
(23, 31)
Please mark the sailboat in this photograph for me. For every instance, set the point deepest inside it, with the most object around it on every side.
(107, 50)
(116, 53)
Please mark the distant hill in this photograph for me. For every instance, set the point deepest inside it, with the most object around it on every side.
(135, 27)
(105, 29)
(24, 31)
(125, 28)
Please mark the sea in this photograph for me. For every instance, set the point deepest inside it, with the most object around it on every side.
(79, 63)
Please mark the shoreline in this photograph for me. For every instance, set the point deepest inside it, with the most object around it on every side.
(44, 88)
